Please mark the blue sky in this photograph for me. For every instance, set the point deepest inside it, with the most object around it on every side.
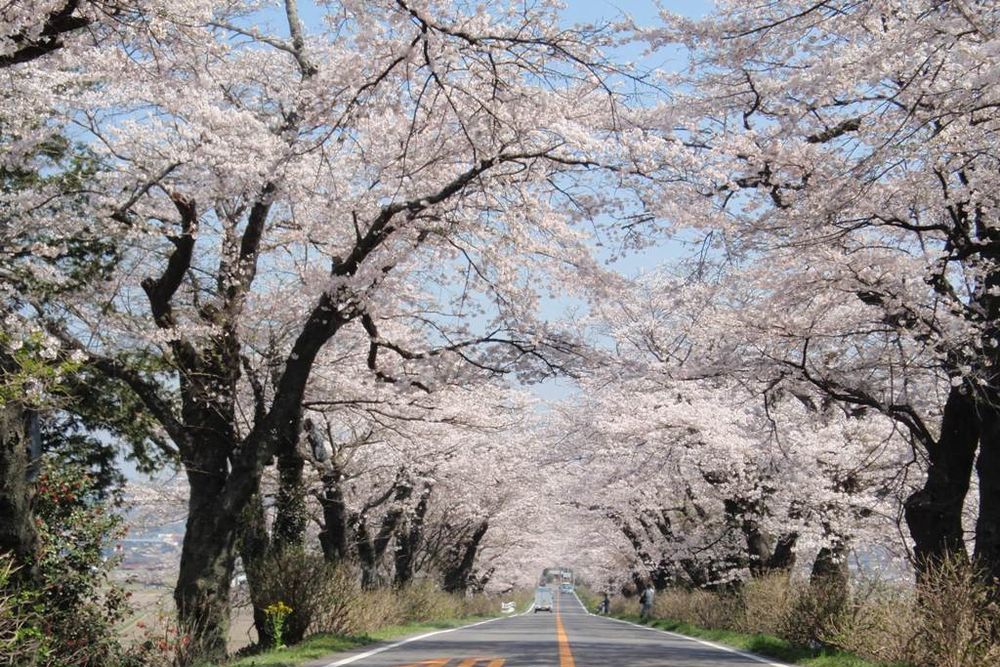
(643, 11)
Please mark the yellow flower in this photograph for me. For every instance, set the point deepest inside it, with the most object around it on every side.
(279, 608)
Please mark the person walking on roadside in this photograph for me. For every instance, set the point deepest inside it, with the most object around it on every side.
(605, 605)
(646, 602)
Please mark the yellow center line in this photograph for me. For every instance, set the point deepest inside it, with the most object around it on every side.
(565, 655)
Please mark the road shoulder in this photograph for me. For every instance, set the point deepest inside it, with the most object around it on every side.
(771, 662)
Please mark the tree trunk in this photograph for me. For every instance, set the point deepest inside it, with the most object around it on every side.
(987, 554)
(783, 557)
(254, 549)
(458, 576)
(830, 581)
(934, 513)
(207, 556)
(17, 527)
(830, 569)
(372, 549)
(765, 555)
(333, 536)
(409, 538)
(290, 506)
(366, 555)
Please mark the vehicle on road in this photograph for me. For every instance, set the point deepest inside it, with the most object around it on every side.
(566, 588)
(543, 599)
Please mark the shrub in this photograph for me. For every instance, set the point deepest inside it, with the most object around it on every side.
(424, 601)
(372, 610)
(709, 610)
(67, 613)
(952, 619)
(329, 598)
(163, 644)
(79, 605)
(814, 609)
(877, 623)
(22, 641)
(317, 592)
(766, 605)
(959, 618)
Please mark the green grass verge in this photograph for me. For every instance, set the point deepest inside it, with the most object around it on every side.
(765, 645)
(589, 598)
(318, 646)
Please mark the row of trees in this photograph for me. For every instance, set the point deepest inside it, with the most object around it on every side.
(826, 356)
(221, 221)
(274, 219)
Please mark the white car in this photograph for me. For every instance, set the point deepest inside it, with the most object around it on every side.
(543, 599)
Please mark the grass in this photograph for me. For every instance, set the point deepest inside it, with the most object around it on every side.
(311, 648)
(765, 645)
(318, 646)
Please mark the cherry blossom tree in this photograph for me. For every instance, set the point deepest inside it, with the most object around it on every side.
(843, 157)
(43, 400)
(395, 181)
(708, 475)
(421, 479)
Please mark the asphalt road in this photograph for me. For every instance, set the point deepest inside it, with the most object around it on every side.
(568, 637)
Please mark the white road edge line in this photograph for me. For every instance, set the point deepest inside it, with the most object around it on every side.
(382, 649)
(704, 642)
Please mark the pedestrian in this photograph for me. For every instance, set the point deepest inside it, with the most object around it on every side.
(605, 605)
(646, 602)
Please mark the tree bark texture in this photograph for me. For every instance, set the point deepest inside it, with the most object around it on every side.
(987, 554)
(458, 576)
(17, 526)
(290, 506)
(333, 538)
(254, 548)
(408, 539)
(207, 559)
(934, 512)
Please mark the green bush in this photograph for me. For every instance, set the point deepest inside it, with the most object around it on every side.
(80, 606)
(303, 581)
(67, 614)
(22, 641)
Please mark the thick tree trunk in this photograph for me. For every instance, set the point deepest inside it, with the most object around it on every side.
(765, 555)
(372, 549)
(290, 505)
(207, 556)
(366, 555)
(459, 575)
(333, 538)
(254, 549)
(17, 526)
(934, 513)
(409, 538)
(987, 554)
(830, 567)
(659, 572)
(783, 557)
(830, 578)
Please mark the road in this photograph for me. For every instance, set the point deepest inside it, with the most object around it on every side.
(568, 637)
